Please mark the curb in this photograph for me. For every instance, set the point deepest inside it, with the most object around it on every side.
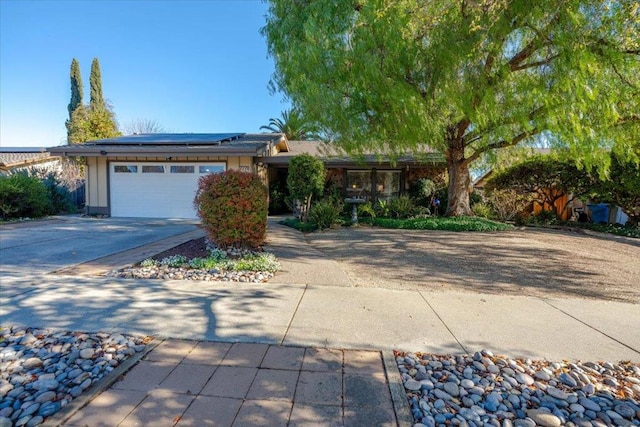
(398, 395)
(64, 414)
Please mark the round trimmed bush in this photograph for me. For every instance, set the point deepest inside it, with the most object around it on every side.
(232, 206)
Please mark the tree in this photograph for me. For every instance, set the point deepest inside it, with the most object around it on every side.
(76, 97)
(293, 125)
(548, 179)
(463, 77)
(95, 80)
(621, 187)
(94, 121)
(305, 180)
(140, 126)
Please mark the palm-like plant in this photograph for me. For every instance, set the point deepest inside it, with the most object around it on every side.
(293, 124)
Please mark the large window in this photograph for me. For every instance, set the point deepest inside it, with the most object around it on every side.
(359, 184)
(373, 184)
(387, 184)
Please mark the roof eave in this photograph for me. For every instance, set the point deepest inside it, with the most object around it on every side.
(106, 151)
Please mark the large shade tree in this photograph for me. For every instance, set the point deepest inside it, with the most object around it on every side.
(464, 77)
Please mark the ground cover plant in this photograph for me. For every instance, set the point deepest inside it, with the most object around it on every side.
(218, 260)
(427, 223)
(461, 223)
(616, 229)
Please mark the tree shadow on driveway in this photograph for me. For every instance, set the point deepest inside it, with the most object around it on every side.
(193, 310)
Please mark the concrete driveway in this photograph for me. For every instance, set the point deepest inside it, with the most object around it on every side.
(38, 247)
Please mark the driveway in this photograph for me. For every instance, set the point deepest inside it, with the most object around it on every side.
(532, 262)
(37, 247)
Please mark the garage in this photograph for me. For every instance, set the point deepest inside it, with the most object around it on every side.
(156, 175)
(156, 190)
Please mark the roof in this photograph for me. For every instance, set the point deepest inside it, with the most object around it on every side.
(12, 157)
(333, 156)
(171, 139)
(188, 144)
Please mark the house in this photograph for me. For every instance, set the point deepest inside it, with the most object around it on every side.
(371, 176)
(156, 175)
(15, 159)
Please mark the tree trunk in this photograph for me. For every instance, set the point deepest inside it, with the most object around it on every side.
(459, 181)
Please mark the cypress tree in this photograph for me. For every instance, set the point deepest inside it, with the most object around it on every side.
(76, 94)
(95, 80)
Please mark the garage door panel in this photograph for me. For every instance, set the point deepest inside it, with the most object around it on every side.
(155, 195)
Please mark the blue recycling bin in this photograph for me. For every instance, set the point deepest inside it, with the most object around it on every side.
(599, 213)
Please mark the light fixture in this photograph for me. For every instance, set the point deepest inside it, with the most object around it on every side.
(102, 152)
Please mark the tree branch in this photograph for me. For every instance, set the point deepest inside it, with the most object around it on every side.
(502, 144)
(535, 64)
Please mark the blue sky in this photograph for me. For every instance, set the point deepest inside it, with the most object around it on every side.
(193, 66)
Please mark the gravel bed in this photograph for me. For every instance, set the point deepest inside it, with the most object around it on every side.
(41, 371)
(487, 390)
(178, 273)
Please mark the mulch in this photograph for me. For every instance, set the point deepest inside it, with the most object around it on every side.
(196, 248)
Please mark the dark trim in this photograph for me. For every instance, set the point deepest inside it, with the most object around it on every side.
(97, 210)
(156, 152)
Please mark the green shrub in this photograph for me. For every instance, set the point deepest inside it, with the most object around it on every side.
(366, 210)
(58, 194)
(382, 208)
(256, 262)
(23, 196)
(401, 207)
(482, 210)
(217, 254)
(174, 261)
(149, 262)
(460, 223)
(232, 206)
(204, 263)
(543, 218)
(324, 214)
(305, 181)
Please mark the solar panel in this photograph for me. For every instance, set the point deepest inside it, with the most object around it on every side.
(171, 139)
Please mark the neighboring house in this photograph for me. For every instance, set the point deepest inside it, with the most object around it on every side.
(15, 159)
(156, 175)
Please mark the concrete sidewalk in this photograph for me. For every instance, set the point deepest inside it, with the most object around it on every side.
(191, 383)
(328, 316)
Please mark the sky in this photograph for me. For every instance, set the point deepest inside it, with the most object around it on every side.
(192, 66)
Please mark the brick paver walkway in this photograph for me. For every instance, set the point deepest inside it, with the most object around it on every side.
(199, 383)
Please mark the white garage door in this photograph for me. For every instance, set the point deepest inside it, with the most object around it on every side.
(156, 190)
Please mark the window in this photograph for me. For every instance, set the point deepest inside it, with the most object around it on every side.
(359, 184)
(125, 169)
(387, 184)
(182, 169)
(211, 168)
(153, 169)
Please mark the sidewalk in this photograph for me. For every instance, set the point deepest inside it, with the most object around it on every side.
(191, 383)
